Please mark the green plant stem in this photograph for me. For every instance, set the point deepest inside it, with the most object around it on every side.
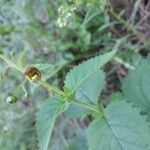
(86, 105)
(125, 22)
(51, 87)
(128, 66)
(19, 86)
(10, 63)
(54, 88)
(60, 92)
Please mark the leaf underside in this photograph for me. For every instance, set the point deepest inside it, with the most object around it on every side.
(86, 81)
(82, 72)
(136, 86)
(46, 119)
(122, 128)
(88, 92)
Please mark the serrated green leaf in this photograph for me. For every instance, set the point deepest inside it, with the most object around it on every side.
(136, 86)
(82, 72)
(122, 128)
(90, 89)
(87, 81)
(89, 92)
(46, 119)
(21, 59)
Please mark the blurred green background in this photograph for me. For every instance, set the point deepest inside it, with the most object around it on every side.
(56, 35)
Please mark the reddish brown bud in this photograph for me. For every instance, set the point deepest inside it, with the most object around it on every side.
(33, 74)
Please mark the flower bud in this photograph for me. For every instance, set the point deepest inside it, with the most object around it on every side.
(11, 99)
(33, 74)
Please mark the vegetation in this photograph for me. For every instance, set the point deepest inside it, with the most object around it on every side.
(74, 75)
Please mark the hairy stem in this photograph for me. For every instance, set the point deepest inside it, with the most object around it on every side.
(128, 66)
(53, 88)
(10, 63)
(125, 22)
(87, 106)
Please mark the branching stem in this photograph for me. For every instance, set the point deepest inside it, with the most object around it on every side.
(53, 88)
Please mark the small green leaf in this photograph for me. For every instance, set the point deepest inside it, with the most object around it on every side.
(136, 86)
(21, 60)
(122, 128)
(46, 119)
(84, 71)
(90, 89)
(86, 82)
(88, 92)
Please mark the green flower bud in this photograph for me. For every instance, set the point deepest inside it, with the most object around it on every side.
(11, 99)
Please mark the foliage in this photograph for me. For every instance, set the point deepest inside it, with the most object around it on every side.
(136, 86)
(74, 75)
(118, 129)
(46, 120)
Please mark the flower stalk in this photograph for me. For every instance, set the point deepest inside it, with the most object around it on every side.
(53, 88)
